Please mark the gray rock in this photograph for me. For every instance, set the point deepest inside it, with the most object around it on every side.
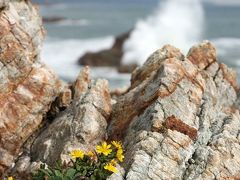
(81, 126)
(177, 119)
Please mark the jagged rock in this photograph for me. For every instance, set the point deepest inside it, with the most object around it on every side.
(109, 57)
(82, 125)
(62, 101)
(115, 93)
(27, 87)
(178, 119)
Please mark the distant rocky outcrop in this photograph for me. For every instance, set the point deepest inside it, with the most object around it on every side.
(53, 19)
(109, 57)
(179, 119)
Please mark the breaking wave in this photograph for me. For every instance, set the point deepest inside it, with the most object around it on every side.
(176, 22)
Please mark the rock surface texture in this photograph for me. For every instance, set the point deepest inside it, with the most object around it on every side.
(27, 87)
(178, 119)
(81, 126)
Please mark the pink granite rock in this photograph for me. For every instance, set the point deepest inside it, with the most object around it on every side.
(27, 87)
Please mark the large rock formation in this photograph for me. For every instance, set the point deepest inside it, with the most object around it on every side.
(81, 126)
(179, 119)
(27, 87)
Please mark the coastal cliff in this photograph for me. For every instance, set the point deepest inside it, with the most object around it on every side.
(179, 119)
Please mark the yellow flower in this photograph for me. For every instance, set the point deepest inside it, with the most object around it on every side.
(113, 162)
(77, 154)
(90, 154)
(10, 178)
(117, 144)
(110, 167)
(104, 149)
(120, 155)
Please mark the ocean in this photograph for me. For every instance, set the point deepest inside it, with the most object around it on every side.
(91, 25)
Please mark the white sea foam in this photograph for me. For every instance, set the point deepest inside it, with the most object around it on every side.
(228, 50)
(74, 22)
(176, 22)
(223, 45)
(62, 55)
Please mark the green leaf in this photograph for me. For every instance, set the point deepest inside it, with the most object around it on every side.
(77, 175)
(84, 172)
(58, 178)
(46, 172)
(93, 177)
(58, 173)
(71, 172)
(52, 178)
(78, 167)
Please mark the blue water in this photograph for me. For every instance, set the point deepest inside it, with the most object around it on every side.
(92, 24)
(105, 17)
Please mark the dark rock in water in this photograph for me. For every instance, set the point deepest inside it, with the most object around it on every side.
(118, 44)
(52, 19)
(109, 57)
(103, 58)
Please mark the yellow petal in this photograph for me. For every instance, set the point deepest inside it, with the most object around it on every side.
(90, 154)
(77, 154)
(110, 168)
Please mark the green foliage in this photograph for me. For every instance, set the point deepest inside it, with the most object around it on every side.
(97, 165)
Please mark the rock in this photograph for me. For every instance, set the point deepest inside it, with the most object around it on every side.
(109, 57)
(54, 19)
(27, 86)
(82, 125)
(180, 118)
(202, 56)
(115, 93)
(82, 83)
(22, 166)
(62, 101)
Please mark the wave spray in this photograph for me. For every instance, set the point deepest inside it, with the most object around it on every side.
(176, 22)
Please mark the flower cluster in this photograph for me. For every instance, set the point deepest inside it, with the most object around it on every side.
(97, 164)
(115, 153)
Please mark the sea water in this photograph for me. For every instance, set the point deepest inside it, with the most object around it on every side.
(90, 25)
